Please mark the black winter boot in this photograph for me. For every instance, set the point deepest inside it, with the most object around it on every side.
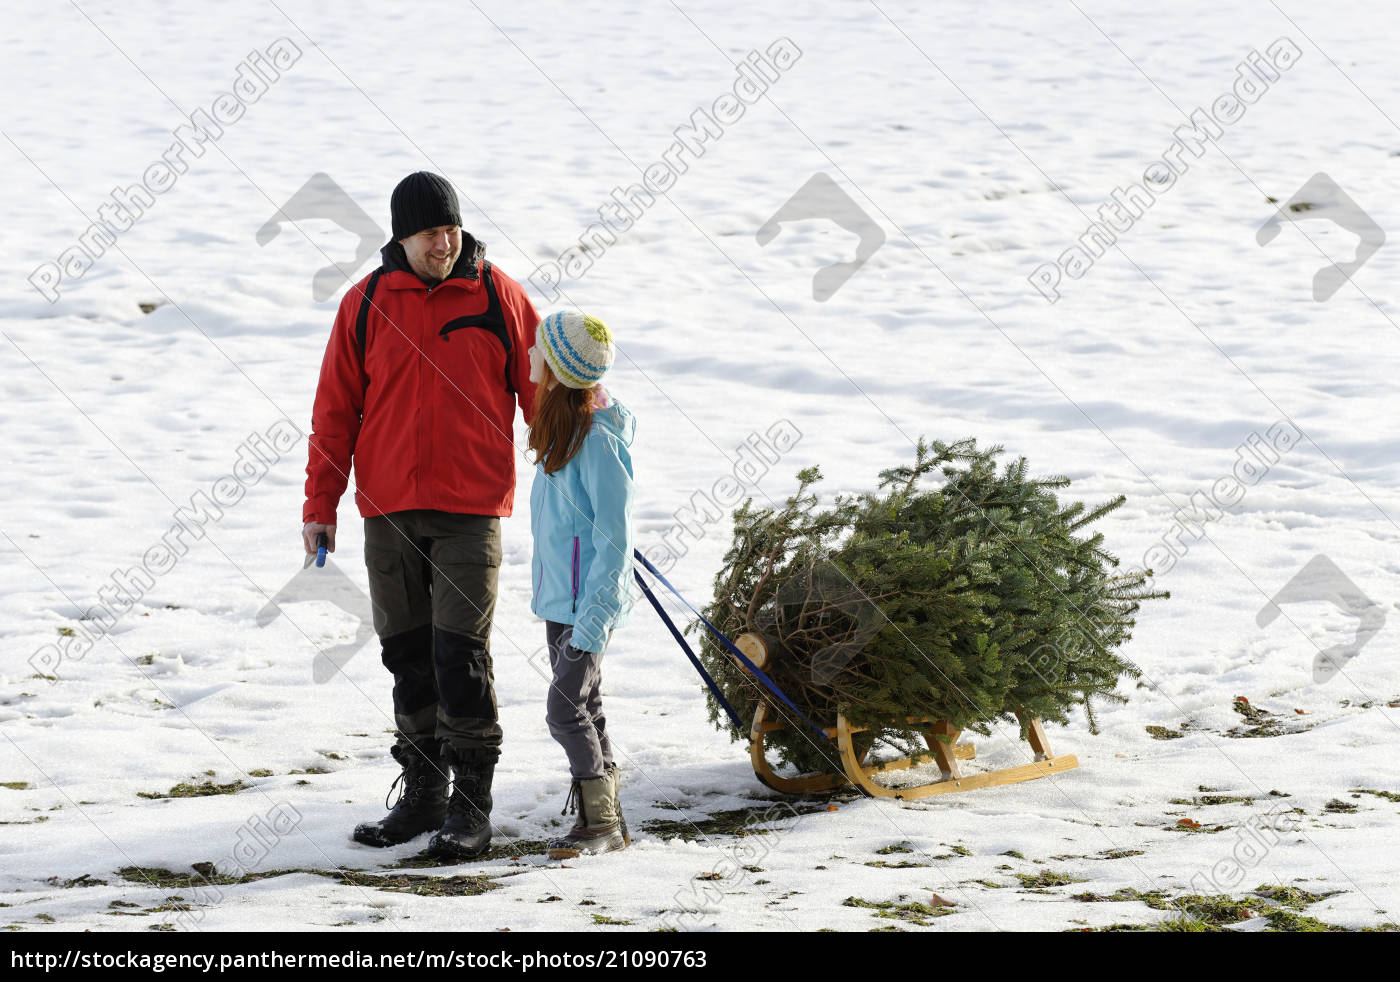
(466, 833)
(421, 806)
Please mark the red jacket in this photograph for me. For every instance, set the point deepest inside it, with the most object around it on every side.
(424, 411)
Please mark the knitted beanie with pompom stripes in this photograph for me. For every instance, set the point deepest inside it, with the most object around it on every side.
(578, 348)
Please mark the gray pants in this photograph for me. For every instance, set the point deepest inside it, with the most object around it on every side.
(574, 708)
(432, 580)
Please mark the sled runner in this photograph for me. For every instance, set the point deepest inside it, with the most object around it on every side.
(856, 771)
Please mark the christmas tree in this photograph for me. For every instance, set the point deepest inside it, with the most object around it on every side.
(968, 602)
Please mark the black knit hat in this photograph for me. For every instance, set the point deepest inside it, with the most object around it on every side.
(423, 200)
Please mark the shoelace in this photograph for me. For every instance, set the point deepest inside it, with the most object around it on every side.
(397, 782)
(572, 802)
(406, 788)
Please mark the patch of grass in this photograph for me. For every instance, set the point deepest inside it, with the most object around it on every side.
(1046, 878)
(15, 785)
(162, 927)
(1012, 853)
(514, 850)
(884, 864)
(888, 850)
(46, 918)
(1278, 905)
(1213, 799)
(1162, 733)
(260, 772)
(1387, 795)
(1286, 921)
(66, 632)
(605, 919)
(206, 875)
(1339, 807)
(86, 880)
(164, 879)
(1291, 896)
(735, 821)
(496, 854)
(1125, 894)
(1118, 853)
(912, 911)
(1260, 722)
(186, 790)
(422, 886)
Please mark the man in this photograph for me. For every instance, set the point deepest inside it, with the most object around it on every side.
(425, 365)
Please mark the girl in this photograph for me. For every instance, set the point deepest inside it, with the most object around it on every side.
(580, 516)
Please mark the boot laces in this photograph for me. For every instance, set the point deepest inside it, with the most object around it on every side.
(401, 785)
(574, 802)
(411, 781)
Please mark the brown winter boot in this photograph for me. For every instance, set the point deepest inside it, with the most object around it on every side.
(615, 775)
(611, 772)
(599, 828)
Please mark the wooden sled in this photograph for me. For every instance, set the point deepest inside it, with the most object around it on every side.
(855, 771)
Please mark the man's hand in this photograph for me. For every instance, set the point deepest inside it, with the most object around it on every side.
(309, 532)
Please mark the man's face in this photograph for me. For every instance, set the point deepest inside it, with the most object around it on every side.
(433, 252)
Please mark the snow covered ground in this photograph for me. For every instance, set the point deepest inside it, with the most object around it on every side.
(972, 144)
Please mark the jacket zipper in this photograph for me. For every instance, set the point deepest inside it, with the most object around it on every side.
(575, 605)
(429, 416)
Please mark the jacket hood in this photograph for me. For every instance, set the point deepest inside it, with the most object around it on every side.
(467, 267)
(618, 420)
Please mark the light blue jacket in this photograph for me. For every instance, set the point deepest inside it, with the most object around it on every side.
(581, 519)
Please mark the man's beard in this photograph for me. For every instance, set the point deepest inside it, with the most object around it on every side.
(433, 271)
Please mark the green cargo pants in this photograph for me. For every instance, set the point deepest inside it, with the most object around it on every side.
(432, 581)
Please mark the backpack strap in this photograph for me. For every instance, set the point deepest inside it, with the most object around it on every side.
(362, 320)
(491, 320)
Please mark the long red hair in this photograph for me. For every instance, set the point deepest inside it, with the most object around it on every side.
(563, 417)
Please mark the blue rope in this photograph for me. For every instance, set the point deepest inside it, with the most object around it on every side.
(752, 668)
(709, 682)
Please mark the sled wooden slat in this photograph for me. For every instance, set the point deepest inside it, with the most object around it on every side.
(1035, 736)
(814, 783)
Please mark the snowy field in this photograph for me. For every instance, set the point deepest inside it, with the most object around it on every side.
(966, 149)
